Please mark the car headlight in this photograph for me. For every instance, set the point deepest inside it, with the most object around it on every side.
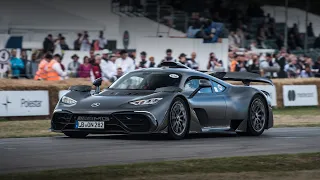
(145, 101)
(68, 101)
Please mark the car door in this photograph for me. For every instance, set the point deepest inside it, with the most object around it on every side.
(209, 103)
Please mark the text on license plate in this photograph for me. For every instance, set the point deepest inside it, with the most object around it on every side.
(89, 125)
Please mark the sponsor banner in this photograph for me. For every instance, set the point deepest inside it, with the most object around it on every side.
(300, 95)
(62, 93)
(271, 90)
(24, 103)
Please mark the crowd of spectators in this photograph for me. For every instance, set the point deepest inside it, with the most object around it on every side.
(277, 65)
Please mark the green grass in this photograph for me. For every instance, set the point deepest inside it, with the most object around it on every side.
(298, 111)
(269, 163)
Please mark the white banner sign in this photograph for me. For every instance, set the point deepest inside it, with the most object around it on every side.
(300, 95)
(271, 90)
(24, 103)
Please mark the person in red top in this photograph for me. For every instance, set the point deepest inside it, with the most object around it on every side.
(85, 68)
(96, 72)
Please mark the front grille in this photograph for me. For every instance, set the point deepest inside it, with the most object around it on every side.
(134, 122)
(61, 120)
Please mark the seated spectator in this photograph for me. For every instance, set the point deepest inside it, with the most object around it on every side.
(306, 73)
(17, 65)
(85, 68)
(125, 62)
(192, 63)
(193, 30)
(73, 67)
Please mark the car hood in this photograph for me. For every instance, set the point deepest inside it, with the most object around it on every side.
(111, 99)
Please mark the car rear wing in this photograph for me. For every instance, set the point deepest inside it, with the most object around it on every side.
(245, 77)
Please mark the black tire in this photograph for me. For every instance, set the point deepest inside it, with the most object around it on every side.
(76, 134)
(257, 119)
(174, 132)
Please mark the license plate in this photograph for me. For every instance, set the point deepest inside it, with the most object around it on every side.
(89, 125)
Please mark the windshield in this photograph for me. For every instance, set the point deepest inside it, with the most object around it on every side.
(147, 80)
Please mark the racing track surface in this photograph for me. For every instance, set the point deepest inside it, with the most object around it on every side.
(26, 154)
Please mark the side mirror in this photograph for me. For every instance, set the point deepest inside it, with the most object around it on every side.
(97, 83)
(203, 83)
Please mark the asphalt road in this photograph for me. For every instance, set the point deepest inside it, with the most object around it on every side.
(30, 154)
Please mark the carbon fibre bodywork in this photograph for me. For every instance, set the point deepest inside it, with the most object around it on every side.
(226, 110)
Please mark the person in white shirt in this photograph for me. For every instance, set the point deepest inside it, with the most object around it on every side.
(85, 43)
(102, 41)
(108, 66)
(125, 62)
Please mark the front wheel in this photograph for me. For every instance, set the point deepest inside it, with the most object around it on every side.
(178, 125)
(76, 134)
(257, 117)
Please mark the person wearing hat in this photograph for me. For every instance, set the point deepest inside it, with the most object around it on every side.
(183, 59)
(54, 70)
(73, 67)
(125, 62)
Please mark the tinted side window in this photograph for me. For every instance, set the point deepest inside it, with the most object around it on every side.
(217, 87)
(193, 84)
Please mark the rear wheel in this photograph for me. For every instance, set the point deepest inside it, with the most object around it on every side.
(76, 134)
(178, 125)
(257, 117)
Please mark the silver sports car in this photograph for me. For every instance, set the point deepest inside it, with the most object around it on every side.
(172, 99)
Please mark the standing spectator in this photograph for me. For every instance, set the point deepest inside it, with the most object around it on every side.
(125, 62)
(316, 67)
(73, 67)
(266, 64)
(291, 68)
(85, 43)
(112, 72)
(92, 57)
(234, 64)
(96, 72)
(281, 60)
(213, 62)
(85, 68)
(34, 65)
(168, 56)
(102, 41)
(55, 73)
(77, 42)
(63, 44)
(316, 44)
(17, 65)
(192, 63)
(310, 30)
(42, 74)
(24, 58)
(182, 59)
(254, 67)
(48, 45)
(144, 63)
(152, 64)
